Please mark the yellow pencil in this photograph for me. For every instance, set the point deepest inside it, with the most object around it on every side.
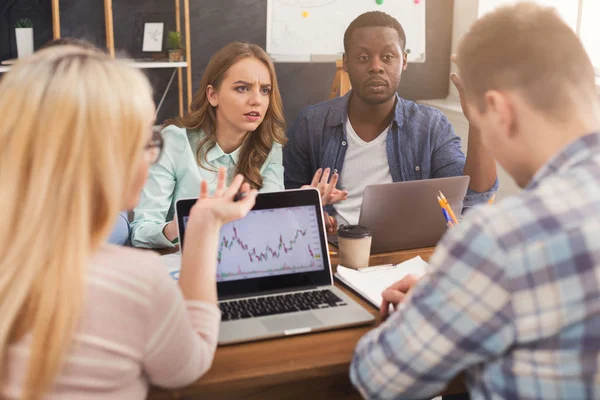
(441, 202)
(448, 208)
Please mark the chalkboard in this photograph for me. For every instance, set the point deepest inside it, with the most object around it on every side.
(313, 30)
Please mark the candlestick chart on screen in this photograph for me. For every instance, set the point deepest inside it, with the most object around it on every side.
(270, 242)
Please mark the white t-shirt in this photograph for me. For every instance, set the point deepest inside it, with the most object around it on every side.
(365, 164)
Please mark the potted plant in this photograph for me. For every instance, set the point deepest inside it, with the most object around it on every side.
(175, 49)
(24, 35)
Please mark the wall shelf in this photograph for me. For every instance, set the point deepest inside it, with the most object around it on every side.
(134, 63)
(110, 45)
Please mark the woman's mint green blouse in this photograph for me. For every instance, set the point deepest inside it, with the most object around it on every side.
(177, 175)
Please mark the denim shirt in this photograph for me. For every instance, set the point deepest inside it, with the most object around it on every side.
(421, 144)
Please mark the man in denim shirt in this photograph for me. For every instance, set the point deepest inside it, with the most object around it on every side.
(372, 136)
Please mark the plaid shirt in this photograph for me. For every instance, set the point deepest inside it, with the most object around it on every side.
(512, 298)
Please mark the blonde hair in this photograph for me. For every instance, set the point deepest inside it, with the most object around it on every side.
(529, 49)
(257, 145)
(74, 127)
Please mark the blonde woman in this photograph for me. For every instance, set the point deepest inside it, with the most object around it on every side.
(80, 318)
(236, 122)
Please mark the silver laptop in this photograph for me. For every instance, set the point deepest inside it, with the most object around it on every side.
(274, 275)
(407, 215)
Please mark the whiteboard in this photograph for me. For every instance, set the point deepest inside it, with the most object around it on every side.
(313, 30)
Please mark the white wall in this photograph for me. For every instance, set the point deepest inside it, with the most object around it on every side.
(465, 14)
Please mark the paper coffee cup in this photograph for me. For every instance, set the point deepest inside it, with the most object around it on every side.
(354, 242)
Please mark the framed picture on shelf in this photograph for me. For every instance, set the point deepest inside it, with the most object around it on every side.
(153, 37)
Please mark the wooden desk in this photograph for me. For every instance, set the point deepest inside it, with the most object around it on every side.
(314, 365)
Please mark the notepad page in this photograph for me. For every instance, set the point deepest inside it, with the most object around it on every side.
(370, 284)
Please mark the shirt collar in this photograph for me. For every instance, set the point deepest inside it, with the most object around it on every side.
(339, 111)
(575, 152)
(216, 152)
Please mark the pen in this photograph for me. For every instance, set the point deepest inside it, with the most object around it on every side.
(491, 200)
(449, 223)
(239, 196)
(448, 220)
(448, 208)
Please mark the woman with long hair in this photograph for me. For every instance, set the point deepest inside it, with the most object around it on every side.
(120, 233)
(235, 122)
(80, 318)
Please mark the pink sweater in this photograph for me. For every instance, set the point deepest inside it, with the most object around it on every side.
(136, 329)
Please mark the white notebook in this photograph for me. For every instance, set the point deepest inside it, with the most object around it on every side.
(370, 282)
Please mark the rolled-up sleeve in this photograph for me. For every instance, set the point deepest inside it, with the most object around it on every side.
(448, 160)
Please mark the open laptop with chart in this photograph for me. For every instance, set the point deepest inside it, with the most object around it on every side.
(273, 274)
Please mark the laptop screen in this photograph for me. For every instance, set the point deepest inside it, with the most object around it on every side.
(270, 242)
(280, 245)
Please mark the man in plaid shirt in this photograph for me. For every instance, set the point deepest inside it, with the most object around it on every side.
(513, 295)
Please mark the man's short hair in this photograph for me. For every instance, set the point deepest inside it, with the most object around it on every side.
(529, 49)
(373, 19)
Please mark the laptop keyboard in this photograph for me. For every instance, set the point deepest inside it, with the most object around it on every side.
(279, 304)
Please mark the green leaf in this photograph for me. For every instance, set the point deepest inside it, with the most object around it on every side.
(24, 23)
(174, 40)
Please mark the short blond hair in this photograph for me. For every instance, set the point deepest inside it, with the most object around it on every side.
(529, 49)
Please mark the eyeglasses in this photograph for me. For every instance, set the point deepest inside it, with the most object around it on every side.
(154, 148)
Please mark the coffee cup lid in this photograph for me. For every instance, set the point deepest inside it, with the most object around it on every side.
(353, 232)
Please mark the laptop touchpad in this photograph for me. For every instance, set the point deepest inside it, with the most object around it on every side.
(279, 324)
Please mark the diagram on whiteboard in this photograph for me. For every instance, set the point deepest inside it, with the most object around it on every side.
(303, 30)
